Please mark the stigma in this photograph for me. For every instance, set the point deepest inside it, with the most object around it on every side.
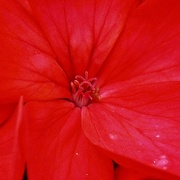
(84, 91)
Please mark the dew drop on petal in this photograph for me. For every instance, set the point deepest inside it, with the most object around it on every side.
(113, 136)
(156, 126)
(77, 154)
(161, 162)
(157, 136)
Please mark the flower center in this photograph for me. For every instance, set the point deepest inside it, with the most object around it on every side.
(84, 90)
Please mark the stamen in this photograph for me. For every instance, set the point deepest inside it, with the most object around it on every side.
(84, 90)
(88, 83)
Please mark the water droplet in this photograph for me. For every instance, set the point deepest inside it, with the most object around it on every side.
(113, 136)
(87, 174)
(161, 162)
(77, 154)
(156, 126)
(158, 136)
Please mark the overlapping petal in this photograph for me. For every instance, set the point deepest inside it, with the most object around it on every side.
(57, 147)
(27, 62)
(82, 32)
(11, 157)
(138, 122)
(148, 48)
(139, 114)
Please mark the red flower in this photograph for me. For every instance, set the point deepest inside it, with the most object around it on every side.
(101, 84)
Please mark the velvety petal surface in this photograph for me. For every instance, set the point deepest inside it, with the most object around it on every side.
(82, 32)
(11, 157)
(25, 4)
(27, 62)
(129, 174)
(6, 111)
(138, 116)
(138, 122)
(148, 48)
(57, 147)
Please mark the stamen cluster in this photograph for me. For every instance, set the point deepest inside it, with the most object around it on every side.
(84, 90)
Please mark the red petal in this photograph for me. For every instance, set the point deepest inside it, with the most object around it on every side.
(129, 174)
(82, 32)
(6, 111)
(148, 46)
(57, 148)
(25, 4)
(142, 106)
(140, 123)
(11, 160)
(27, 64)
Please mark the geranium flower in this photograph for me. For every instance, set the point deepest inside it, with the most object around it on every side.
(100, 82)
